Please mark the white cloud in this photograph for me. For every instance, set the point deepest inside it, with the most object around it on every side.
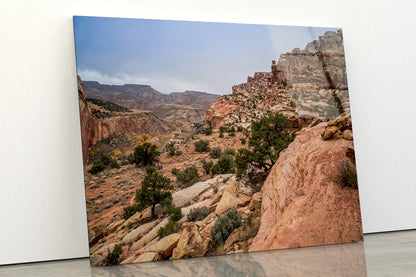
(165, 84)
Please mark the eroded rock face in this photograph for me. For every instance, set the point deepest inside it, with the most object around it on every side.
(152, 234)
(251, 101)
(303, 85)
(92, 129)
(184, 197)
(191, 243)
(165, 246)
(148, 257)
(138, 232)
(339, 127)
(303, 203)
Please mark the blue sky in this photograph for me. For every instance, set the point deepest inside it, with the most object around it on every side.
(174, 56)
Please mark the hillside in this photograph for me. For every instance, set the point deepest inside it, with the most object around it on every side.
(144, 97)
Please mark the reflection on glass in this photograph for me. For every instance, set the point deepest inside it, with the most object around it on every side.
(330, 260)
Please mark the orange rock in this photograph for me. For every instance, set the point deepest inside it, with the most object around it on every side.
(303, 205)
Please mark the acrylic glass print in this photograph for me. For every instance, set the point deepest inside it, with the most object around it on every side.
(203, 139)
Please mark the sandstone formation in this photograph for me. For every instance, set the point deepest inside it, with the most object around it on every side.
(304, 84)
(191, 243)
(316, 75)
(339, 127)
(138, 232)
(147, 257)
(185, 196)
(303, 202)
(139, 217)
(92, 129)
(165, 246)
(149, 236)
(251, 101)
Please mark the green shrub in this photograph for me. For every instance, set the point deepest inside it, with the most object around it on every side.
(187, 177)
(208, 131)
(224, 226)
(243, 141)
(207, 166)
(114, 256)
(202, 146)
(145, 154)
(347, 174)
(240, 128)
(131, 210)
(229, 151)
(97, 167)
(231, 134)
(172, 150)
(102, 163)
(197, 214)
(174, 212)
(221, 135)
(224, 165)
(215, 152)
(170, 228)
(114, 164)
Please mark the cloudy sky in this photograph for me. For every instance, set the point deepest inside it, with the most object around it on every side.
(174, 56)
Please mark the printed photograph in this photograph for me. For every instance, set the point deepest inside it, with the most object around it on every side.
(204, 139)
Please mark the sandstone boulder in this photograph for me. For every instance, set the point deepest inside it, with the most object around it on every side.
(148, 257)
(95, 234)
(114, 226)
(227, 202)
(237, 235)
(165, 246)
(339, 127)
(191, 243)
(139, 217)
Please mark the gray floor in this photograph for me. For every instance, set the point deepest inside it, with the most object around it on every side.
(384, 254)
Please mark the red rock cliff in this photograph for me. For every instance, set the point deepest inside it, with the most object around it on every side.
(92, 129)
(303, 203)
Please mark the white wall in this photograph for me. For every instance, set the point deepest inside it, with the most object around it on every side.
(42, 202)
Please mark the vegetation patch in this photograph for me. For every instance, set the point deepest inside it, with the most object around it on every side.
(197, 214)
(269, 137)
(145, 154)
(113, 257)
(215, 152)
(347, 174)
(155, 190)
(224, 165)
(172, 150)
(102, 163)
(202, 146)
(224, 226)
(187, 177)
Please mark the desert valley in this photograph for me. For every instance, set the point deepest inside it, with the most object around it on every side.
(192, 174)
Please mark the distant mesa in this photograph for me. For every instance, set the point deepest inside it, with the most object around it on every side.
(144, 97)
